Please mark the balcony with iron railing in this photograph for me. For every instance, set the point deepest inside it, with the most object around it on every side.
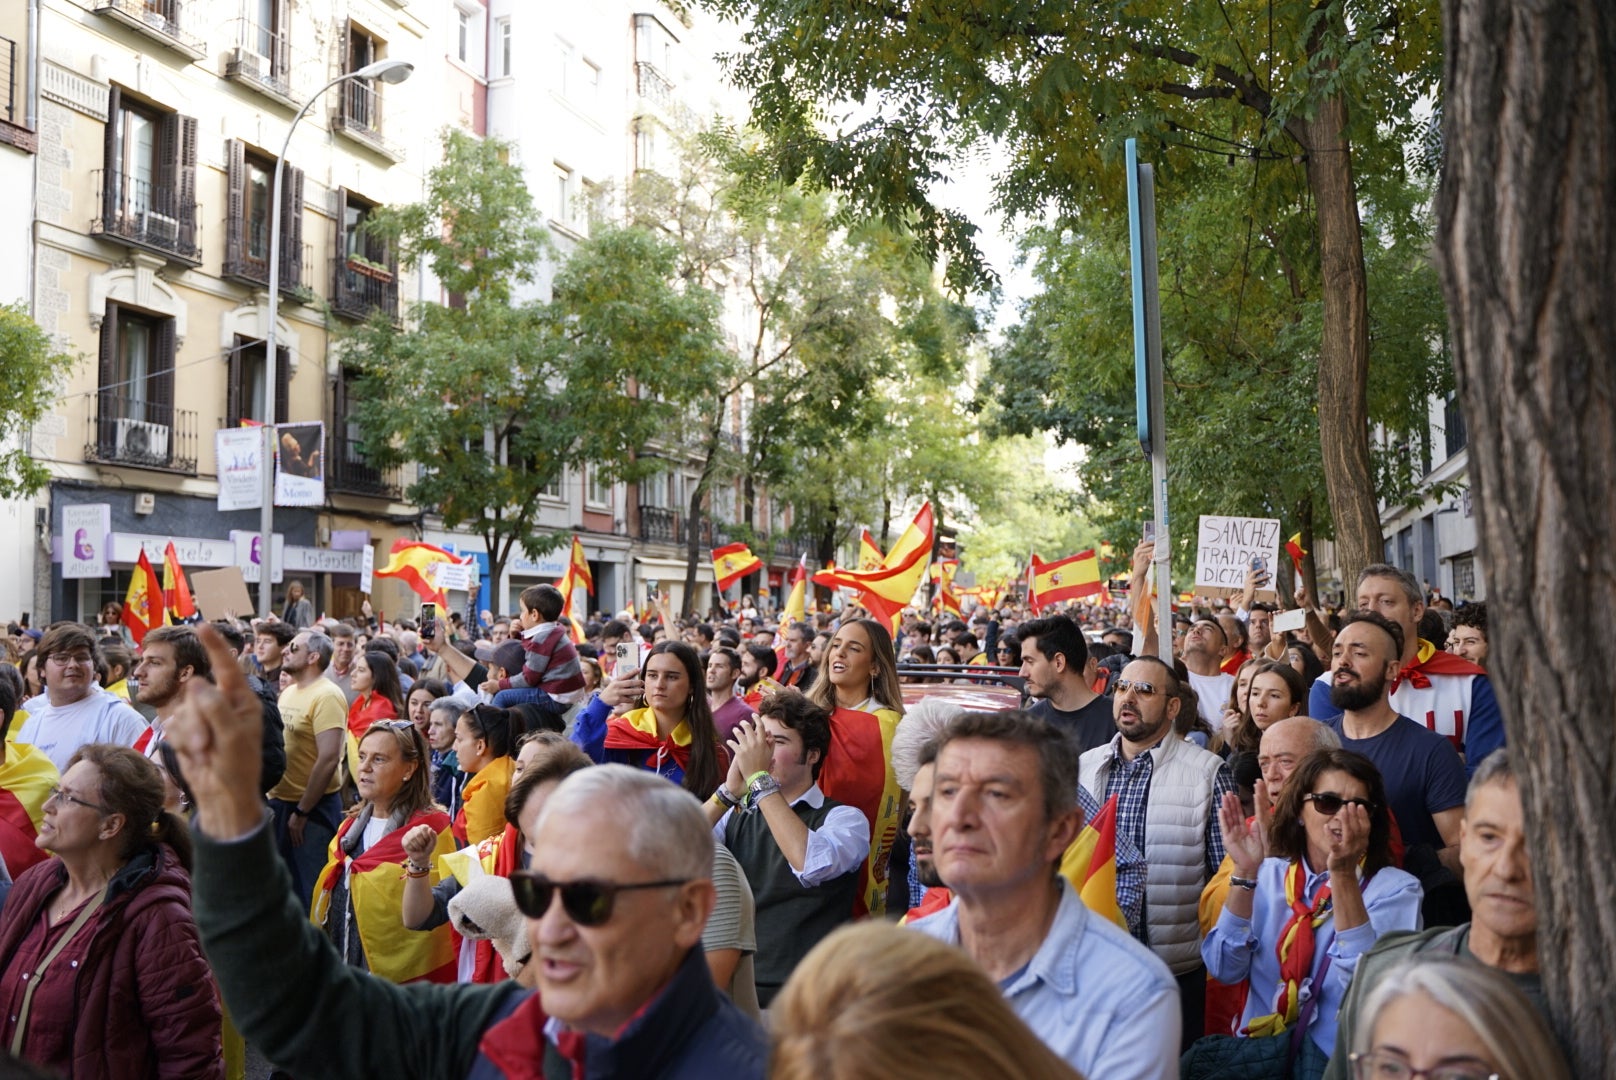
(352, 474)
(656, 89)
(161, 20)
(143, 434)
(364, 285)
(659, 524)
(153, 217)
(12, 132)
(359, 116)
(262, 60)
(246, 259)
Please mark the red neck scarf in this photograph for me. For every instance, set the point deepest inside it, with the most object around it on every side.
(1430, 660)
(623, 734)
(1295, 951)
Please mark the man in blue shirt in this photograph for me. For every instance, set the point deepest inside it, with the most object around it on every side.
(1004, 810)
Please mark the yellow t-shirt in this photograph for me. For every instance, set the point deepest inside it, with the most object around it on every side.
(305, 712)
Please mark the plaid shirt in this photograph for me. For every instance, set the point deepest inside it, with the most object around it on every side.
(1131, 865)
(1130, 782)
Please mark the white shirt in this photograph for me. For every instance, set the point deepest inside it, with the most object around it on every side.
(840, 844)
(1212, 692)
(59, 730)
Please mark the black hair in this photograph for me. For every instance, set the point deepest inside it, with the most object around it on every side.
(1057, 634)
(1375, 618)
(704, 773)
(811, 722)
(545, 599)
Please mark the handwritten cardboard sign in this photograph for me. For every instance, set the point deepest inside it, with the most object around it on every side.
(1225, 548)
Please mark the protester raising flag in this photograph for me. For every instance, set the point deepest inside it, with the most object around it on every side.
(577, 575)
(733, 562)
(1071, 578)
(411, 562)
(942, 575)
(143, 608)
(885, 591)
(176, 590)
(1090, 864)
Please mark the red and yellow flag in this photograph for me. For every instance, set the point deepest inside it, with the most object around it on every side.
(733, 562)
(411, 562)
(1294, 548)
(942, 575)
(885, 591)
(577, 574)
(1032, 582)
(376, 886)
(870, 557)
(176, 590)
(1090, 864)
(143, 607)
(26, 779)
(796, 601)
(1070, 578)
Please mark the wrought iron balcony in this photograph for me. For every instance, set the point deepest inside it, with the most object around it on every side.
(351, 473)
(262, 61)
(143, 434)
(145, 215)
(364, 286)
(246, 259)
(160, 20)
(359, 116)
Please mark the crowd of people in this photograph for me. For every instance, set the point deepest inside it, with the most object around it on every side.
(740, 846)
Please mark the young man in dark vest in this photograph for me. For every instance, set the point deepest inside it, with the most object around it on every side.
(801, 851)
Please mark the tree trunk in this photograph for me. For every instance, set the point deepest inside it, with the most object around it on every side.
(1526, 242)
(1343, 378)
(693, 527)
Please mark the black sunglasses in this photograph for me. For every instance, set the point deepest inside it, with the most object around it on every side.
(587, 903)
(1329, 803)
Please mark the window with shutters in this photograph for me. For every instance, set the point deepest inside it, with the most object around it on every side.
(366, 274)
(349, 469)
(245, 386)
(134, 421)
(249, 184)
(359, 114)
(147, 181)
(262, 59)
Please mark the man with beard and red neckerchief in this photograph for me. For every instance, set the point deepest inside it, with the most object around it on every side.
(1425, 781)
(1446, 693)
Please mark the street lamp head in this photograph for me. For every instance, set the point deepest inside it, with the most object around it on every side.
(388, 71)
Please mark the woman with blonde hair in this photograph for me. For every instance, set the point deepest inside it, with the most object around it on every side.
(1452, 1019)
(873, 999)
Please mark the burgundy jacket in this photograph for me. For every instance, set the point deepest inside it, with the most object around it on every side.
(145, 1004)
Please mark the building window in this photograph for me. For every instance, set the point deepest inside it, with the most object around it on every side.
(462, 35)
(135, 400)
(591, 82)
(645, 145)
(553, 489)
(564, 193)
(361, 101)
(597, 492)
(245, 383)
(502, 42)
(366, 278)
(249, 177)
(560, 73)
(148, 177)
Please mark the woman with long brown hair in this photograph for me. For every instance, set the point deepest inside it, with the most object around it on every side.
(359, 895)
(858, 683)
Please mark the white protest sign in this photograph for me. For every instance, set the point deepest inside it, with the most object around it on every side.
(455, 576)
(367, 568)
(1225, 548)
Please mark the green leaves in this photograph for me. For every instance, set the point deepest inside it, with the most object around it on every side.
(32, 370)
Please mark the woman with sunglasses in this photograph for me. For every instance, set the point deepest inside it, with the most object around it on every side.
(359, 895)
(101, 967)
(1306, 904)
(672, 733)
(485, 737)
(373, 678)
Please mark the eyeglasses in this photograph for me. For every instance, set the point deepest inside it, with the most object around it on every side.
(1378, 1065)
(587, 903)
(60, 793)
(1143, 689)
(1329, 803)
(81, 659)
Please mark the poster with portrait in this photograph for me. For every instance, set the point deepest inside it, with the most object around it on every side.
(300, 464)
(85, 540)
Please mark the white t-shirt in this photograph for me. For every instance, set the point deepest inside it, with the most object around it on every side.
(1213, 692)
(59, 730)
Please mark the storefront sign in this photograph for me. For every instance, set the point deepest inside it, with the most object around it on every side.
(313, 560)
(84, 540)
(248, 554)
(192, 551)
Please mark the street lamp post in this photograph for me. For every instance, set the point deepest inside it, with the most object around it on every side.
(388, 71)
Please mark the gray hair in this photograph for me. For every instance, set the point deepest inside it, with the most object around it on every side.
(320, 645)
(1516, 1036)
(1495, 768)
(409, 641)
(921, 725)
(451, 705)
(1411, 588)
(668, 835)
(1323, 735)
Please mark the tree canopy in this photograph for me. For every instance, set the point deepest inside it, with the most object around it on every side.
(32, 369)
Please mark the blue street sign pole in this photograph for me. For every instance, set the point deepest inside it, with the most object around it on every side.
(1148, 392)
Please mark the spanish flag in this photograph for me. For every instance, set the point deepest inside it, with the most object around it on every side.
(1032, 583)
(376, 889)
(886, 591)
(176, 591)
(497, 855)
(577, 574)
(411, 562)
(796, 601)
(1068, 579)
(858, 772)
(1090, 864)
(733, 562)
(870, 557)
(26, 779)
(942, 575)
(1294, 548)
(143, 608)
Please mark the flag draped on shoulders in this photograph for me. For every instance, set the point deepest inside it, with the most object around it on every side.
(858, 772)
(637, 730)
(26, 779)
(1090, 864)
(376, 890)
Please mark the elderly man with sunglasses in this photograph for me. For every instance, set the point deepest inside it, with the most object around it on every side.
(615, 915)
(1168, 792)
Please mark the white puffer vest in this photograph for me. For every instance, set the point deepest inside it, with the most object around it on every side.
(1182, 780)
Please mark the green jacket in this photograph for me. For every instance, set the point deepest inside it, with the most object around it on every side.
(291, 995)
(1388, 952)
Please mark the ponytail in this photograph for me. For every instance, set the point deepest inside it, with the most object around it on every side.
(170, 829)
(499, 728)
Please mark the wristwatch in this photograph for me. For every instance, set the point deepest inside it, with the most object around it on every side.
(298, 811)
(1249, 884)
(761, 787)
